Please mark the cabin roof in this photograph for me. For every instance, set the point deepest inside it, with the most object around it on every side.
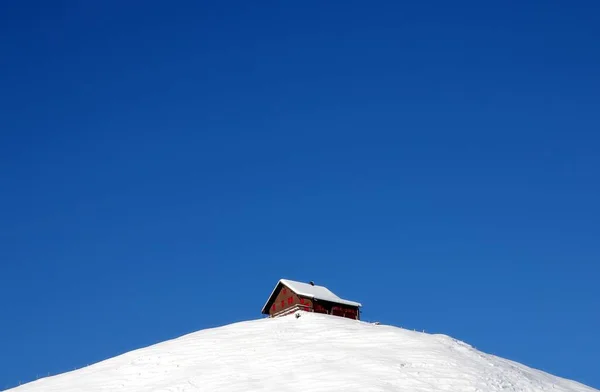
(307, 290)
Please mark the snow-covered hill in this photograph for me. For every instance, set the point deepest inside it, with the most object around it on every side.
(311, 353)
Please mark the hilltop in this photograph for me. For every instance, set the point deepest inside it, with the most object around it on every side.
(314, 353)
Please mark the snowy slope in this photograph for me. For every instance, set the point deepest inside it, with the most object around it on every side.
(311, 353)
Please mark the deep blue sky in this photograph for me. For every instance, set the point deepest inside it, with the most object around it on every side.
(163, 165)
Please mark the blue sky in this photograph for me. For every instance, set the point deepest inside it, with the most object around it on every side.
(162, 165)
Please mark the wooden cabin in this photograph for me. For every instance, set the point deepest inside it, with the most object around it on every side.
(290, 296)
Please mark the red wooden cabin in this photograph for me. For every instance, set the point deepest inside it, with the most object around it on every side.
(290, 296)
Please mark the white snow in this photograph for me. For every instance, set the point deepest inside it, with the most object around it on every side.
(316, 353)
(311, 291)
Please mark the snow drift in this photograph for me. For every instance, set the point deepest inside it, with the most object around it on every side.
(311, 353)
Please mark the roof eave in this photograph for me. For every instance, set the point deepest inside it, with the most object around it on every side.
(343, 302)
(266, 306)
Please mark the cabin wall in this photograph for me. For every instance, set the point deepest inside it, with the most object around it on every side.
(335, 309)
(285, 299)
(347, 312)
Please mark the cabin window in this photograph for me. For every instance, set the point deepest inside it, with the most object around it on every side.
(283, 303)
(284, 291)
(290, 301)
(302, 301)
(273, 307)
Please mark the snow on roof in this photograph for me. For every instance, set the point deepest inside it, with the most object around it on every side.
(307, 290)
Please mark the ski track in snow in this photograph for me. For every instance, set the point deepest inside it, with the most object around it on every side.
(316, 353)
